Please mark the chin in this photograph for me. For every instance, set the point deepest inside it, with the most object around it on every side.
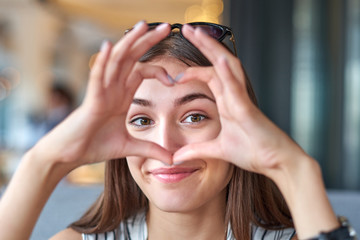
(175, 202)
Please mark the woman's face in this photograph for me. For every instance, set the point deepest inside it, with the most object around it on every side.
(173, 117)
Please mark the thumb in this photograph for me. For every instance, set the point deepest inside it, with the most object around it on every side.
(201, 150)
(136, 147)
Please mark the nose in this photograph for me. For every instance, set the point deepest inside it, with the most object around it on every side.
(169, 136)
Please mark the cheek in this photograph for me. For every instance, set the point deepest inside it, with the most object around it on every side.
(202, 136)
(209, 131)
(213, 130)
(135, 165)
(150, 135)
(225, 170)
(219, 173)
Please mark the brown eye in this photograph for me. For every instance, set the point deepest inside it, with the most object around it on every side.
(145, 121)
(141, 121)
(194, 118)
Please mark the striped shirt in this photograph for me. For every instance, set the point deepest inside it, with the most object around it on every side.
(135, 228)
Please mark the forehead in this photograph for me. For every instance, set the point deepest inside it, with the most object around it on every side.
(155, 90)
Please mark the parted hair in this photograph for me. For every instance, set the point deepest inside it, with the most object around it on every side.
(252, 199)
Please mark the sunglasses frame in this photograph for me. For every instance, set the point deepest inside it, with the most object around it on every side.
(225, 30)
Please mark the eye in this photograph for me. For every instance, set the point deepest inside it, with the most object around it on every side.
(194, 118)
(141, 122)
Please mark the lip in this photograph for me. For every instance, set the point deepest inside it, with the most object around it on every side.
(172, 175)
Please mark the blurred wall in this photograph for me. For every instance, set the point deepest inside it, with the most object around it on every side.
(303, 57)
(27, 34)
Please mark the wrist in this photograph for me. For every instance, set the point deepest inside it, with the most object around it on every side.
(293, 165)
(303, 189)
(344, 232)
(46, 163)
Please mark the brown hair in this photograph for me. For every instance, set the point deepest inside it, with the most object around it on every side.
(251, 198)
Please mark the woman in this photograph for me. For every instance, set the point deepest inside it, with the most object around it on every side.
(195, 144)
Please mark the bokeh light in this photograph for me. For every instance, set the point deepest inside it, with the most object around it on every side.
(208, 11)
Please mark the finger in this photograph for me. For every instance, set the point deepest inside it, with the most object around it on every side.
(96, 78)
(203, 150)
(98, 69)
(209, 46)
(204, 74)
(151, 38)
(125, 43)
(121, 48)
(212, 49)
(217, 77)
(126, 53)
(136, 147)
(232, 86)
(220, 78)
(141, 46)
(143, 71)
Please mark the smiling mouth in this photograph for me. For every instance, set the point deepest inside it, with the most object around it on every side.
(172, 175)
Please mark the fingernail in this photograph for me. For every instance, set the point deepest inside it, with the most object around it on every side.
(171, 80)
(161, 26)
(137, 25)
(168, 165)
(104, 45)
(178, 77)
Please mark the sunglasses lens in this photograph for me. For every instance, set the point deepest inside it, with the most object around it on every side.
(213, 30)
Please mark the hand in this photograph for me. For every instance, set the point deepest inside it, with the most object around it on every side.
(247, 138)
(96, 130)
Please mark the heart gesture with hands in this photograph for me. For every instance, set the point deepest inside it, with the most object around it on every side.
(96, 130)
(248, 138)
(178, 144)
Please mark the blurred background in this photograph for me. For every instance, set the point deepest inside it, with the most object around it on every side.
(303, 57)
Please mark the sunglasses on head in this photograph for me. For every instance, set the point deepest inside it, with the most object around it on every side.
(217, 31)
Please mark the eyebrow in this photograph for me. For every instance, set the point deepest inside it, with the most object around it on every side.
(142, 102)
(191, 97)
(179, 101)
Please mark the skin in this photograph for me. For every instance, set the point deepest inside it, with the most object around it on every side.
(102, 118)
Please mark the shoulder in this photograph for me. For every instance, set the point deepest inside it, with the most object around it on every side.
(68, 234)
(266, 234)
(131, 228)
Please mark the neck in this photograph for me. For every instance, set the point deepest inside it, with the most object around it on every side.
(206, 222)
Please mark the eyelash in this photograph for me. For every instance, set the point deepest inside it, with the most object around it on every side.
(139, 125)
(202, 116)
(132, 122)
